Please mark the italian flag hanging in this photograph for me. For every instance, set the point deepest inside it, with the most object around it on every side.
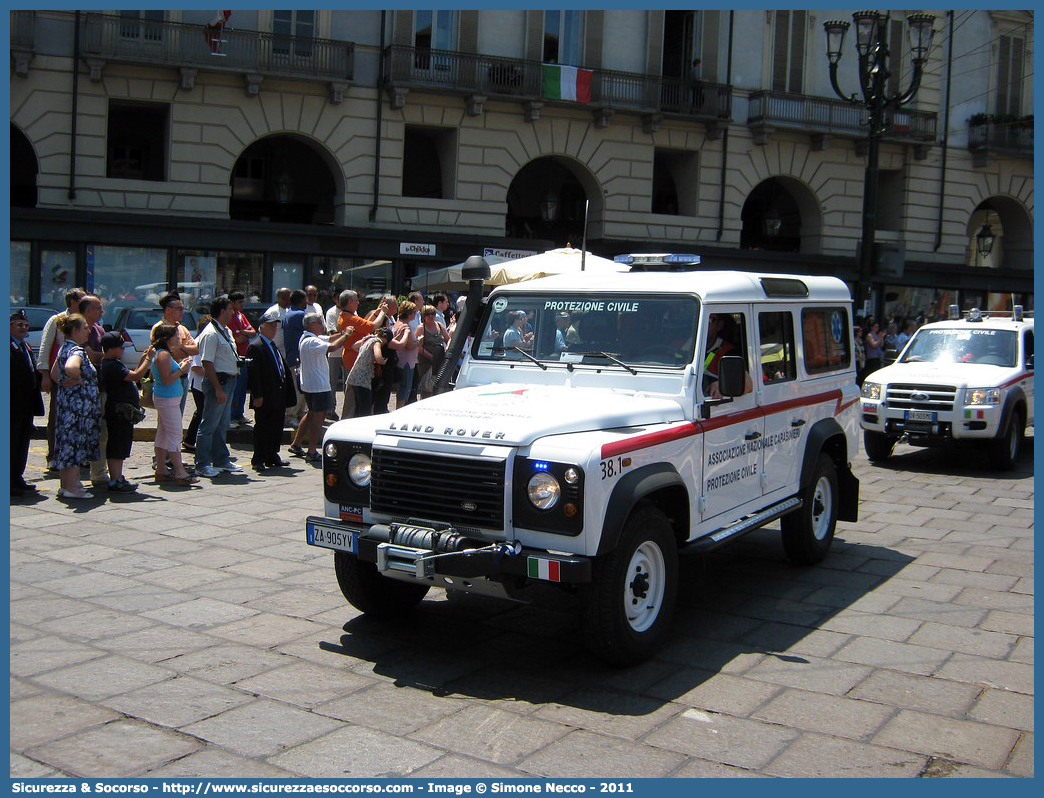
(567, 83)
(547, 570)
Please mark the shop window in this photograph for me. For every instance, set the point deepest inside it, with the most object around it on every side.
(205, 274)
(21, 252)
(126, 275)
(57, 275)
(333, 275)
(137, 141)
(429, 162)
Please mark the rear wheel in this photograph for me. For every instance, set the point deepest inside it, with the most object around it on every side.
(1005, 450)
(627, 606)
(369, 592)
(878, 445)
(809, 531)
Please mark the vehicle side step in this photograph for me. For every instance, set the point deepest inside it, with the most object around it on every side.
(749, 524)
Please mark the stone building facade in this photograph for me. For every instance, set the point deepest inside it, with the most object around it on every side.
(362, 148)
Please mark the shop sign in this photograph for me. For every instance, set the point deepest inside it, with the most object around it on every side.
(427, 250)
(508, 254)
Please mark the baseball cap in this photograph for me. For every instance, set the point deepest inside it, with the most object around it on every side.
(269, 315)
(112, 340)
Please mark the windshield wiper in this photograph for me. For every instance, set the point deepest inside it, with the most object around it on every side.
(522, 352)
(611, 358)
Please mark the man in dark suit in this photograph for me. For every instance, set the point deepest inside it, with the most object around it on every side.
(271, 392)
(26, 401)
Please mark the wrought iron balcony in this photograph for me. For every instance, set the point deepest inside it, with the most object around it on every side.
(491, 77)
(1008, 137)
(176, 44)
(820, 116)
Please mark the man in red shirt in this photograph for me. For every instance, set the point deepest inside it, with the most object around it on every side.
(242, 332)
(348, 302)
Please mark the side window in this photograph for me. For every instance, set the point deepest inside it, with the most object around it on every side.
(826, 339)
(726, 335)
(776, 340)
(1029, 348)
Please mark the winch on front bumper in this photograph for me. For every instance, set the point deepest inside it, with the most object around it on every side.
(445, 558)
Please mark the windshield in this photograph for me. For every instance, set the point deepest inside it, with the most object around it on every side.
(989, 347)
(586, 328)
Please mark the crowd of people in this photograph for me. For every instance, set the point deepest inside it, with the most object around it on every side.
(287, 371)
(876, 348)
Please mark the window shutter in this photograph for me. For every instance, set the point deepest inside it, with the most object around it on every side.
(534, 35)
(779, 51)
(594, 22)
(799, 27)
(467, 41)
(402, 28)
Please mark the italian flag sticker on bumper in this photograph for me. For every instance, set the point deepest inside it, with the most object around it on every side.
(548, 570)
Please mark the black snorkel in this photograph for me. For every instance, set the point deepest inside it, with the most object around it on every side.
(476, 271)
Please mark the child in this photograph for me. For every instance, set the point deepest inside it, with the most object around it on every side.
(118, 383)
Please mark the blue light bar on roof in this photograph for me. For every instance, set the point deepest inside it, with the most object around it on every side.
(658, 259)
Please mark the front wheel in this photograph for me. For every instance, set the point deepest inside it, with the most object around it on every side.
(627, 607)
(878, 446)
(1005, 450)
(369, 592)
(809, 531)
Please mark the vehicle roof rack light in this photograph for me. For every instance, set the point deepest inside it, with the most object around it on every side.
(658, 261)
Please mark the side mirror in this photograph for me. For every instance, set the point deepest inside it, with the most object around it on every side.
(732, 375)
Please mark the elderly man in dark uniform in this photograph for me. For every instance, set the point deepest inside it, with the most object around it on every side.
(271, 391)
(26, 400)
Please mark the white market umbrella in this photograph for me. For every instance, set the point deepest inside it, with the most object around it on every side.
(565, 260)
(448, 278)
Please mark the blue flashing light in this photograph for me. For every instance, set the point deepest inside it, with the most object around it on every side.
(541, 466)
(653, 259)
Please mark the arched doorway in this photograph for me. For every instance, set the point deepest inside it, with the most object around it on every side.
(1000, 235)
(546, 200)
(24, 169)
(781, 215)
(282, 179)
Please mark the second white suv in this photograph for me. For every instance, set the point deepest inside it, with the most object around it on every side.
(957, 382)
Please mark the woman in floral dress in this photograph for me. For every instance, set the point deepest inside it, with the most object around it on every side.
(78, 420)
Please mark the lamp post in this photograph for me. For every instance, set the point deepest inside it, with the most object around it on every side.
(984, 242)
(872, 49)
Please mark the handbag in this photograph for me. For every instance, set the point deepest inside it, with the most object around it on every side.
(129, 412)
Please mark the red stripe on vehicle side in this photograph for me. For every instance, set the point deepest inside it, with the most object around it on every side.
(1009, 383)
(633, 444)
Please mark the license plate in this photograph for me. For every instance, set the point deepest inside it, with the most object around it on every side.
(329, 536)
(921, 415)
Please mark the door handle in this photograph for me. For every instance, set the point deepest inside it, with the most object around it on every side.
(799, 422)
(752, 436)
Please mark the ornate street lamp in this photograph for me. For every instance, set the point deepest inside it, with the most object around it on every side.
(872, 51)
(984, 240)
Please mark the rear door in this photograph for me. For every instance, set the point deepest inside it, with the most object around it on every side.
(787, 416)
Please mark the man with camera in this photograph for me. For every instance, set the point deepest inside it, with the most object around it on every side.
(221, 365)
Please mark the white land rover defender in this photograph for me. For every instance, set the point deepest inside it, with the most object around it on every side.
(959, 382)
(599, 427)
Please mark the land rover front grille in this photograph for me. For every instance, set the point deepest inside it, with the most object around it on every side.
(463, 491)
(921, 397)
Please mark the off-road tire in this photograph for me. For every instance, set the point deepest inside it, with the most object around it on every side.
(371, 593)
(1004, 451)
(878, 446)
(809, 531)
(627, 607)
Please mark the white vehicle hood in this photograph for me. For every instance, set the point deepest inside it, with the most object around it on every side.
(516, 415)
(956, 374)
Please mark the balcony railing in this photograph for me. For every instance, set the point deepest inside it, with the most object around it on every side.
(822, 115)
(178, 44)
(1013, 138)
(509, 78)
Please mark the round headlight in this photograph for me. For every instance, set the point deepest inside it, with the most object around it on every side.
(543, 490)
(359, 469)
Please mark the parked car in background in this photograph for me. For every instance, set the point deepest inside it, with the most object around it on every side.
(135, 323)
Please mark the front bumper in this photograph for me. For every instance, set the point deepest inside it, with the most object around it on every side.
(439, 556)
(971, 423)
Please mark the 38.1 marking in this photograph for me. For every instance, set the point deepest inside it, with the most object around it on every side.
(612, 467)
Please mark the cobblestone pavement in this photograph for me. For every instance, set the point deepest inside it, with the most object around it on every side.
(190, 632)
